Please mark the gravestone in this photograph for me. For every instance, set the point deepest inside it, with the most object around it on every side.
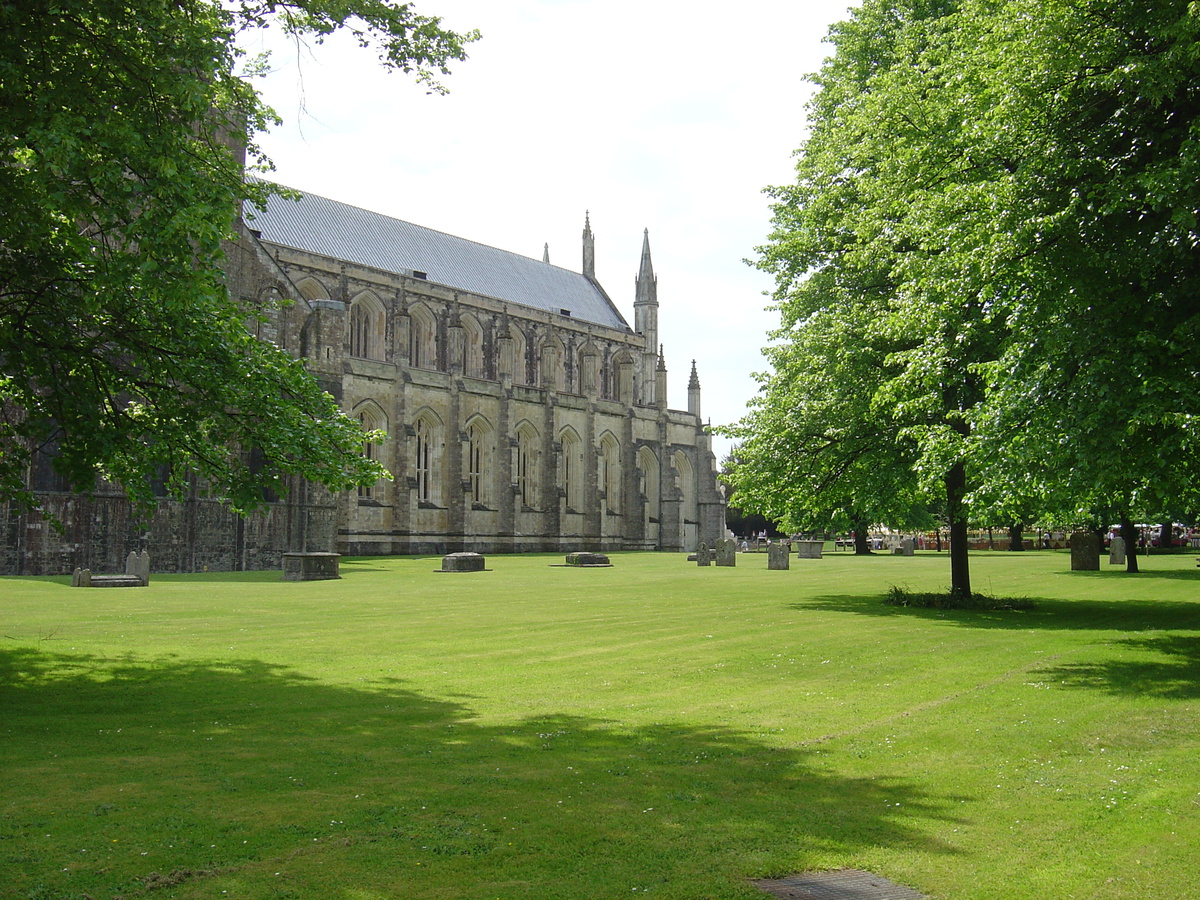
(585, 560)
(726, 553)
(462, 562)
(310, 566)
(702, 558)
(905, 547)
(1116, 551)
(809, 549)
(778, 556)
(81, 577)
(1085, 552)
(137, 565)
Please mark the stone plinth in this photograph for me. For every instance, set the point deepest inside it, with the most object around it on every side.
(778, 557)
(310, 566)
(1085, 552)
(462, 562)
(808, 549)
(583, 560)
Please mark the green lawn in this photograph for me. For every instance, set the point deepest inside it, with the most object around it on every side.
(653, 728)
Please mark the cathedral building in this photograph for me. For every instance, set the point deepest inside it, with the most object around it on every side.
(521, 410)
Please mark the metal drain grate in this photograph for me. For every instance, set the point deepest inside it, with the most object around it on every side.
(843, 884)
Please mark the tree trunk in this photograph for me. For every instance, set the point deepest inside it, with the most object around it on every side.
(1129, 534)
(1166, 534)
(862, 540)
(1016, 536)
(960, 571)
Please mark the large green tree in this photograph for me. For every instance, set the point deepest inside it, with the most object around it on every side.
(1007, 187)
(853, 257)
(1097, 401)
(122, 352)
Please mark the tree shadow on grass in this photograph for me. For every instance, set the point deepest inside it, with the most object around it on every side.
(1146, 572)
(1047, 613)
(1173, 675)
(125, 775)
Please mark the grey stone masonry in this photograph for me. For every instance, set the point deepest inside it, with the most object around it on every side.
(1085, 552)
(310, 566)
(726, 552)
(809, 549)
(778, 556)
(462, 562)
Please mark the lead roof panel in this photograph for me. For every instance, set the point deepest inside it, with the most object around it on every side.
(329, 228)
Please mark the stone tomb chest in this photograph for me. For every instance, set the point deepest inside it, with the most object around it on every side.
(310, 566)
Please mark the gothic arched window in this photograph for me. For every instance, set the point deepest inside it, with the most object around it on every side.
(422, 338)
(571, 469)
(371, 418)
(528, 468)
(610, 471)
(479, 453)
(427, 456)
(366, 327)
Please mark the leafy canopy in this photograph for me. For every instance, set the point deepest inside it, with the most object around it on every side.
(125, 350)
(999, 198)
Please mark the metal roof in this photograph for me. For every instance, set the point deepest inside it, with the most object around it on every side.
(329, 228)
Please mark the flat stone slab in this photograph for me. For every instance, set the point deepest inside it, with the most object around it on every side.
(587, 560)
(843, 884)
(115, 581)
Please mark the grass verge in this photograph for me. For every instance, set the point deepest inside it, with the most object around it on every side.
(654, 728)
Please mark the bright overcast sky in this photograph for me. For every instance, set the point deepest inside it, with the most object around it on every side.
(649, 114)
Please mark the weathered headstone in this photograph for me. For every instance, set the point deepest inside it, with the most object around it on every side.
(137, 565)
(778, 556)
(809, 549)
(726, 553)
(702, 554)
(462, 562)
(310, 566)
(1116, 551)
(1085, 552)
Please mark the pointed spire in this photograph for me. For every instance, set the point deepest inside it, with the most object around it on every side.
(546, 253)
(660, 380)
(647, 267)
(662, 362)
(589, 247)
(647, 288)
(694, 392)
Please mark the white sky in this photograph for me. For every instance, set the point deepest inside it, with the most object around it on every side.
(649, 114)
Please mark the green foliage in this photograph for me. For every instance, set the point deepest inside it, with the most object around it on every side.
(986, 268)
(123, 352)
(902, 596)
